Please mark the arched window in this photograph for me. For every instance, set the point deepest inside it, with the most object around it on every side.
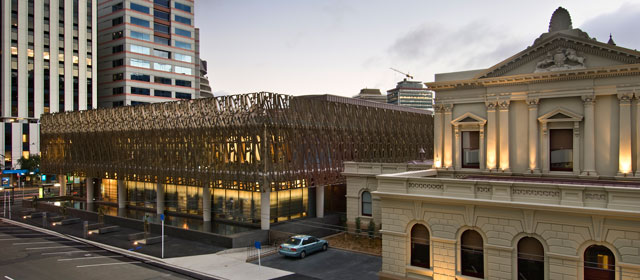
(472, 254)
(366, 204)
(599, 263)
(530, 259)
(420, 246)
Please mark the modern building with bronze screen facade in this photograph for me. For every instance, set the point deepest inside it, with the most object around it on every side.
(215, 155)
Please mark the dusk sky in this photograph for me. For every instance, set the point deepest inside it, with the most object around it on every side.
(339, 47)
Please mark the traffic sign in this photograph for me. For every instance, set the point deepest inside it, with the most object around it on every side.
(161, 217)
(15, 171)
(258, 245)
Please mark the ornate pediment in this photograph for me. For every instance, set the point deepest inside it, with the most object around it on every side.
(560, 115)
(468, 119)
(562, 52)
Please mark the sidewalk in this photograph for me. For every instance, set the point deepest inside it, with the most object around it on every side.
(193, 258)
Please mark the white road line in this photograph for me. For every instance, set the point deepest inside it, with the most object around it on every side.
(42, 242)
(8, 277)
(72, 252)
(103, 264)
(56, 247)
(87, 258)
(31, 234)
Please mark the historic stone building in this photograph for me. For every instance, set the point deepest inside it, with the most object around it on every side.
(536, 170)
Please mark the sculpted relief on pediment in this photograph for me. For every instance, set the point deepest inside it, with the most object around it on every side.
(560, 59)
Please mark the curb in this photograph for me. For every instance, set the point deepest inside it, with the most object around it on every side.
(157, 262)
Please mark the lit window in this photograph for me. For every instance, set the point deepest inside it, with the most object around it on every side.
(599, 263)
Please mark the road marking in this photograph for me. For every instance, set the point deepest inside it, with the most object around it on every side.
(7, 239)
(42, 242)
(30, 234)
(87, 258)
(104, 264)
(71, 252)
(56, 247)
(8, 277)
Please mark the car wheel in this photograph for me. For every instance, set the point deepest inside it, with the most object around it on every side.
(303, 254)
(325, 247)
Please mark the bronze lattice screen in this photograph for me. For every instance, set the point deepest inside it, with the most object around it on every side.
(239, 141)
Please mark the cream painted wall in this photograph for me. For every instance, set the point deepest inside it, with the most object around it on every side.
(478, 109)
(518, 136)
(607, 134)
(573, 104)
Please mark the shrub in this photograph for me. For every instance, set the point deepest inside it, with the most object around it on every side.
(372, 228)
(358, 226)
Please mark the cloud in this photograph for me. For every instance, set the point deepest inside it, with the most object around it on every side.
(622, 24)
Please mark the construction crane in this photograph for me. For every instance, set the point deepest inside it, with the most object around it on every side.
(407, 75)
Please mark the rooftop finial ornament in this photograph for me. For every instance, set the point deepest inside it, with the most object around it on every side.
(560, 20)
(611, 42)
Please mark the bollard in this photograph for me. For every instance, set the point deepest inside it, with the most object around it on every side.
(44, 219)
(86, 229)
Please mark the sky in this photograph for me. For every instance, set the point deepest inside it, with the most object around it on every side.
(338, 47)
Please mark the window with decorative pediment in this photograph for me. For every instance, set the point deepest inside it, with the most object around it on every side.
(469, 133)
(560, 147)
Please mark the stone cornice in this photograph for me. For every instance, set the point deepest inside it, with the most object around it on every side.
(544, 77)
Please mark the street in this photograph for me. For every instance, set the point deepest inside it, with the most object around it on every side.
(28, 254)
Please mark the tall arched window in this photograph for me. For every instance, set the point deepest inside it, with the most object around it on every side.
(366, 204)
(599, 263)
(472, 254)
(420, 246)
(530, 259)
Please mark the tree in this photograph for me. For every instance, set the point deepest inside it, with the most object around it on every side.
(32, 164)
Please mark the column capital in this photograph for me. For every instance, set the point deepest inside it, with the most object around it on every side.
(533, 102)
(438, 108)
(491, 105)
(588, 99)
(504, 104)
(625, 97)
(447, 107)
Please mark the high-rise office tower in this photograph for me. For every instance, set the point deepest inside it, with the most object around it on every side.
(47, 57)
(146, 52)
(412, 94)
(202, 83)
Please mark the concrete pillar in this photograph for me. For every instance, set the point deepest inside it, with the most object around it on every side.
(320, 201)
(492, 158)
(624, 165)
(637, 134)
(534, 138)
(589, 136)
(437, 136)
(504, 135)
(122, 198)
(159, 198)
(62, 180)
(448, 160)
(206, 204)
(265, 208)
(90, 194)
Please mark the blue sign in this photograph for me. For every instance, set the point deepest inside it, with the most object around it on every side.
(16, 171)
(258, 245)
(162, 217)
(44, 177)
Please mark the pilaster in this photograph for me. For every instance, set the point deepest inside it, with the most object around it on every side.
(437, 135)
(589, 136)
(637, 108)
(534, 138)
(448, 160)
(624, 153)
(491, 159)
(504, 135)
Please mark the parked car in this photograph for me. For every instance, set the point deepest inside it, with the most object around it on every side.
(302, 245)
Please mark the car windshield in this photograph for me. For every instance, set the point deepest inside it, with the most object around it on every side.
(293, 241)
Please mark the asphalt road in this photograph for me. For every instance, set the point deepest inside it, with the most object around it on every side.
(28, 254)
(331, 264)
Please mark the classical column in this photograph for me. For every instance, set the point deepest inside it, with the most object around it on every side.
(482, 149)
(448, 161)
(320, 202)
(589, 136)
(89, 185)
(62, 180)
(457, 147)
(265, 208)
(504, 135)
(159, 198)
(491, 136)
(637, 134)
(122, 198)
(534, 138)
(437, 135)
(544, 148)
(624, 153)
(576, 148)
(206, 203)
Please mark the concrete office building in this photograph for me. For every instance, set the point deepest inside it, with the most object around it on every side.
(371, 94)
(146, 53)
(412, 94)
(536, 170)
(202, 82)
(47, 60)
